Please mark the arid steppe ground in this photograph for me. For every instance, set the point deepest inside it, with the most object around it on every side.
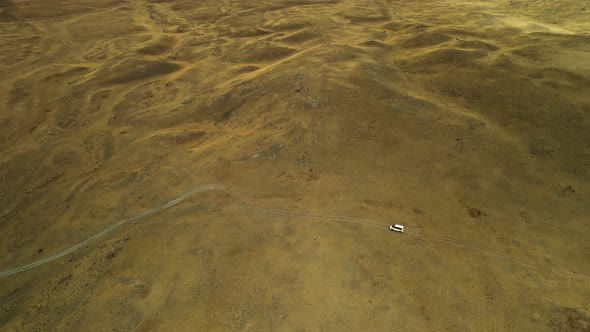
(466, 121)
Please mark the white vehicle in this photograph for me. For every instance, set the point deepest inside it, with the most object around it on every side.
(396, 228)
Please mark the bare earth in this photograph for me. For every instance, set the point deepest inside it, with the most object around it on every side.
(466, 121)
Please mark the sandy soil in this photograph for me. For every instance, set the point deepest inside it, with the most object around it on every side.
(466, 121)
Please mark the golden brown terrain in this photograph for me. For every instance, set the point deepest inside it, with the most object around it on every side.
(466, 121)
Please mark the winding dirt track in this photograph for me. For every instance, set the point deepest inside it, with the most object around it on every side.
(466, 121)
